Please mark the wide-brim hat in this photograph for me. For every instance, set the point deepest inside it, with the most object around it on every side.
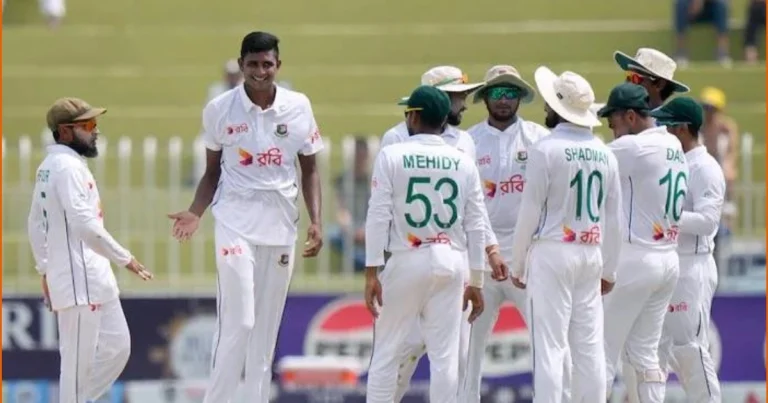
(651, 62)
(505, 74)
(446, 78)
(569, 94)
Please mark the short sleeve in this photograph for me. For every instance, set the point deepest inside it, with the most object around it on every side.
(210, 136)
(314, 142)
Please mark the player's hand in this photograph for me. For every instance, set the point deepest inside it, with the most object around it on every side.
(314, 241)
(518, 283)
(499, 269)
(475, 296)
(605, 286)
(46, 293)
(373, 293)
(137, 268)
(185, 224)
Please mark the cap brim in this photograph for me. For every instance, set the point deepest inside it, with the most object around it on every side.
(530, 92)
(605, 111)
(545, 79)
(92, 113)
(661, 114)
(460, 87)
(628, 63)
(403, 101)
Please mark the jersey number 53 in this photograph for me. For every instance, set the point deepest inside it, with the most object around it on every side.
(416, 194)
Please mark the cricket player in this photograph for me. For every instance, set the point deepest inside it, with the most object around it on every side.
(427, 210)
(73, 251)
(452, 81)
(565, 247)
(501, 141)
(254, 135)
(654, 178)
(654, 70)
(687, 319)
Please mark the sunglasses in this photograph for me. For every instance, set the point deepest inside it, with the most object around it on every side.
(495, 94)
(87, 125)
(637, 78)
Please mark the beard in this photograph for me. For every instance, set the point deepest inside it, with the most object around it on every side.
(84, 148)
(454, 119)
(551, 120)
(411, 132)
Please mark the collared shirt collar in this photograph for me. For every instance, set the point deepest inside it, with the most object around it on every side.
(572, 128)
(63, 149)
(510, 129)
(429, 139)
(248, 105)
(655, 130)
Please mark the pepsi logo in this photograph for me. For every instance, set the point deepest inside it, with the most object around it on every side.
(508, 351)
(343, 328)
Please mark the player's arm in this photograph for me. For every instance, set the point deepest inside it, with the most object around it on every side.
(707, 190)
(612, 223)
(534, 197)
(37, 233)
(83, 219)
(210, 180)
(476, 227)
(380, 214)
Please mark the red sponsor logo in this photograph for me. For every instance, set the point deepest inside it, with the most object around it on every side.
(271, 157)
(679, 307)
(234, 250)
(315, 136)
(343, 328)
(514, 184)
(508, 351)
(246, 158)
(590, 236)
(485, 160)
(490, 189)
(237, 129)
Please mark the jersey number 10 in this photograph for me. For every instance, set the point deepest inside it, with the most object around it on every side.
(585, 195)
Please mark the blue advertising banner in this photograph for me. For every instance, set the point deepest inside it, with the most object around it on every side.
(172, 338)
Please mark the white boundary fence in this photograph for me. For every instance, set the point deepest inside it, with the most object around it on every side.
(141, 180)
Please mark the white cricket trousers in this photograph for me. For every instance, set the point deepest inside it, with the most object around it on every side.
(684, 347)
(424, 285)
(251, 290)
(94, 343)
(495, 293)
(634, 317)
(565, 312)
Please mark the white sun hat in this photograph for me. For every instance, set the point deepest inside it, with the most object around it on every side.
(649, 61)
(505, 74)
(448, 79)
(569, 94)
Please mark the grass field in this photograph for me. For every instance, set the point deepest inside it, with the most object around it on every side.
(151, 64)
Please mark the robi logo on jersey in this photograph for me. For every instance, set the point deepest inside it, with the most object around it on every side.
(343, 328)
(508, 351)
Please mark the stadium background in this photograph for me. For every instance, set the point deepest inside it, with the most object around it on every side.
(150, 63)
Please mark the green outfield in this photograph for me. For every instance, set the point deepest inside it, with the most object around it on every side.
(150, 63)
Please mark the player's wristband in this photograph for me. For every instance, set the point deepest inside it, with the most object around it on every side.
(476, 278)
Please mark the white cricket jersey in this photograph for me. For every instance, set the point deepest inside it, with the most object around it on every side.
(257, 193)
(424, 192)
(572, 195)
(654, 178)
(501, 159)
(452, 135)
(67, 235)
(703, 205)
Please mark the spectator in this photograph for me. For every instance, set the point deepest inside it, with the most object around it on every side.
(352, 208)
(232, 77)
(713, 12)
(755, 21)
(720, 135)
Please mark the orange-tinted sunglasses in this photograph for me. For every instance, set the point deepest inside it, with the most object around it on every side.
(637, 78)
(87, 125)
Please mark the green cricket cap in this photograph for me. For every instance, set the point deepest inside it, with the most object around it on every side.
(680, 110)
(625, 96)
(433, 104)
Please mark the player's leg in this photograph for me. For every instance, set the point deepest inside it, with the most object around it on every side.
(405, 284)
(235, 314)
(114, 341)
(710, 286)
(78, 337)
(441, 318)
(410, 354)
(493, 296)
(586, 332)
(642, 347)
(621, 308)
(272, 273)
(693, 364)
(549, 309)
